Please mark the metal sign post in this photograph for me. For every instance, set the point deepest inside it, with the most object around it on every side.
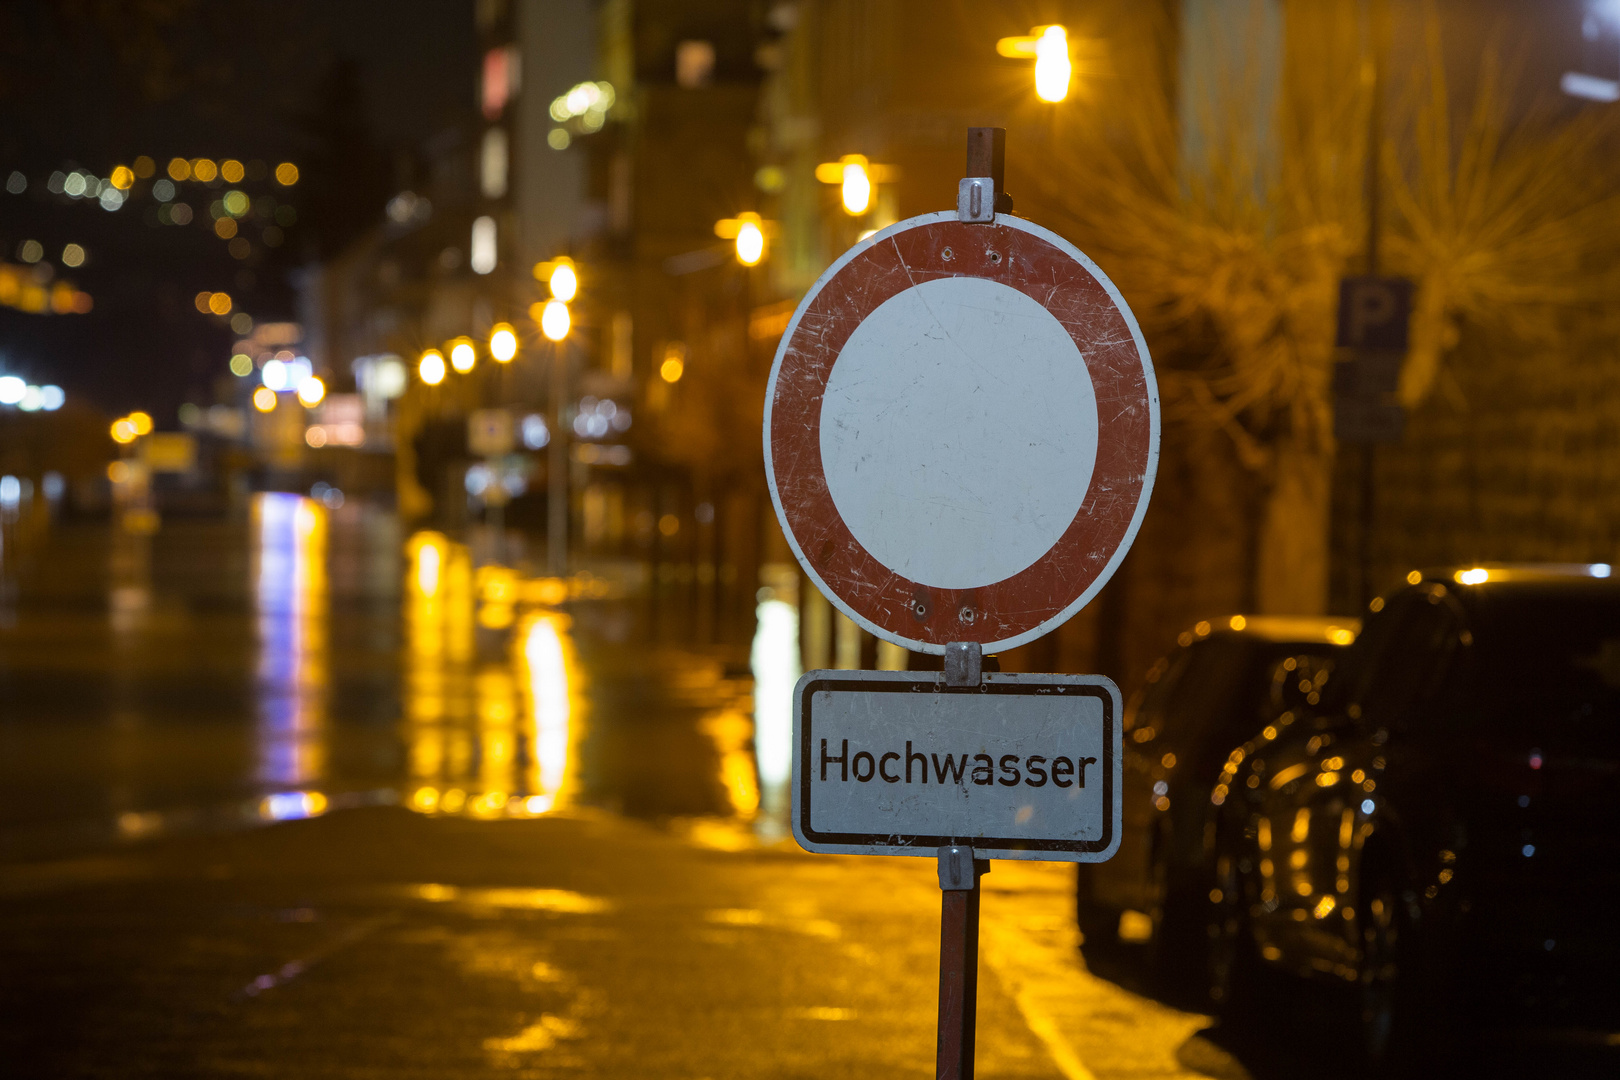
(961, 435)
(959, 874)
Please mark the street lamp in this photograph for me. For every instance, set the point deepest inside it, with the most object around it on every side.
(564, 281)
(749, 231)
(431, 367)
(462, 355)
(503, 343)
(311, 391)
(555, 320)
(1048, 46)
(856, 176)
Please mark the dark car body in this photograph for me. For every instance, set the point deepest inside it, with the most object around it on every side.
(1221, 684)
(1443, 834)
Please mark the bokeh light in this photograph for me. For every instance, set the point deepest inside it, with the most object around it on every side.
(856, 188)
(750, 241)
(564, 281)
(503, 343)
(463, 356)
(311, 391)
(264, 399)
(431, 367)
(1052, 66)
(555, 320)
(286, 174)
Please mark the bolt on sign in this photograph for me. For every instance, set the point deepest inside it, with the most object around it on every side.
(961, 434)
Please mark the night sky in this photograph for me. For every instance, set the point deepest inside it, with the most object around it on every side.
(346, 89)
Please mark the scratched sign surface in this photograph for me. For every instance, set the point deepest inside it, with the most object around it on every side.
(961, 432)
(1018, 767)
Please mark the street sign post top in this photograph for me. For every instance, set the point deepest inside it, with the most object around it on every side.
(961, 431)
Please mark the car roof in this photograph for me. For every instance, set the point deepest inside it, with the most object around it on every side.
(1282, 629)
(1483, 573)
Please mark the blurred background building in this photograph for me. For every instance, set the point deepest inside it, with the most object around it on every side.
(545, 316)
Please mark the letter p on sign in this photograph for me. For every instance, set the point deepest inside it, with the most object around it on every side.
(1374, 313)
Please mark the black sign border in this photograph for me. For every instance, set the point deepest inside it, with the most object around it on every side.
(1025, 686)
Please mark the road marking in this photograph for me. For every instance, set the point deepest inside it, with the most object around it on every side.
(289, 971)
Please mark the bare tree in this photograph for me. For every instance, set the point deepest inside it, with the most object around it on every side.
(1228, 207)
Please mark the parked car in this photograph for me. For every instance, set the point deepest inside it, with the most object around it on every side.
(1440, 838)
(1223, 682)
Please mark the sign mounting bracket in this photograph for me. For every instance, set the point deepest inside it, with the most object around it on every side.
(979, 194)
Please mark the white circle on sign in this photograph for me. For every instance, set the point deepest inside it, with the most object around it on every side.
(959, 432)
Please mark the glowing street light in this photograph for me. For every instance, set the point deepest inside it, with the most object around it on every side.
(564, 281)
(462, 355)
(674, 365)
(1048, 46)
(431, 367)
(311, 391)
(857, 189)
(856, 177)
(123, 432)
(555, 320)
(1052, 67)
(503, 343)
(142, 422)
(749, 230)
(264, 399)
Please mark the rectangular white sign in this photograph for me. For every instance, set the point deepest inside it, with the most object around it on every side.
(898, 763)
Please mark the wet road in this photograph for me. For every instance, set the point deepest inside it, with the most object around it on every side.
(304, 795)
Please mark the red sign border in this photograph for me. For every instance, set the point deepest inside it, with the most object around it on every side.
(1023, 607)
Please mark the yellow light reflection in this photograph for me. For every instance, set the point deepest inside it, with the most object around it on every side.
(774, 659)
(551, 680)
(730, 732)
(492, 739)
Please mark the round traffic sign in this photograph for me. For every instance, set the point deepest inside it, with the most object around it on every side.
(961, 432)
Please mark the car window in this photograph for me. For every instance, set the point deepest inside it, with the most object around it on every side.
(1548, 663)
(1147, 705)
(1203, 695)
(1413, 660)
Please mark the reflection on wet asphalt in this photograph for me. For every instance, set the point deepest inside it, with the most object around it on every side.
(300, 658)
(503, 826)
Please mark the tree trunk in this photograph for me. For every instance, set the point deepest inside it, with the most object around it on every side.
(1292, 570)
